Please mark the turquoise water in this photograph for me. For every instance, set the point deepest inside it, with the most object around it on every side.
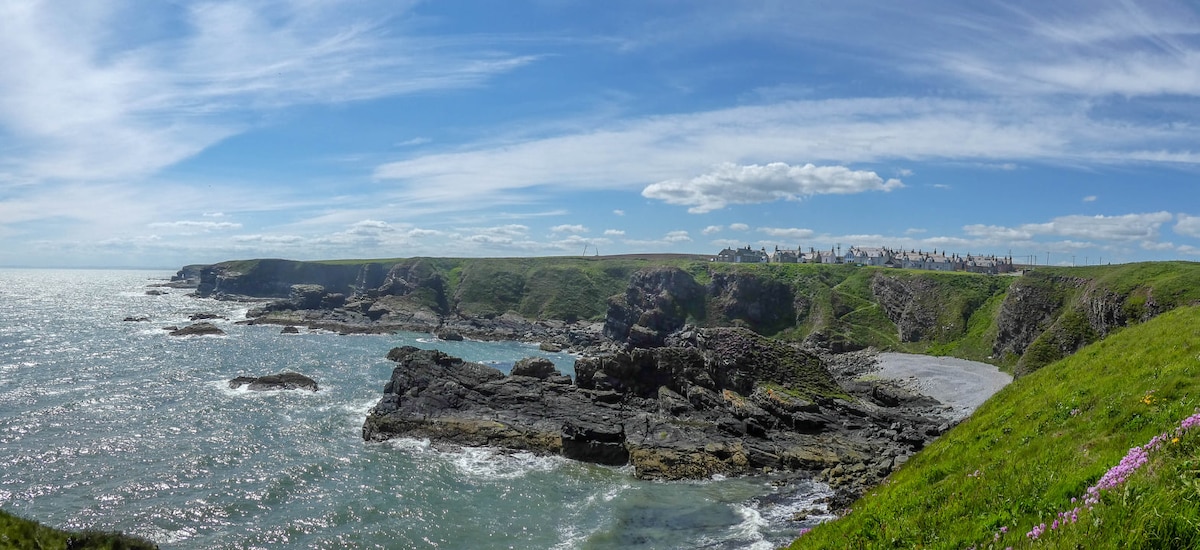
(108, 424)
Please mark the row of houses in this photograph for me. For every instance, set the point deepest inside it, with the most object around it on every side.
(873, 256)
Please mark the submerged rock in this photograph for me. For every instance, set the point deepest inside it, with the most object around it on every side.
(198, 329)
(281, 381)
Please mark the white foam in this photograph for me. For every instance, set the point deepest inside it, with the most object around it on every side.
(490, 463)
(751, 528)
(408, 444)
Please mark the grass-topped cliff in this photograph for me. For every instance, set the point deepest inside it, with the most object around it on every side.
(1019, 322)
(1036, 448)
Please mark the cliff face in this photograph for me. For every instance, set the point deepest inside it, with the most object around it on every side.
(274, 278)
(1052, 313)
(1024, 322)
(657, 302)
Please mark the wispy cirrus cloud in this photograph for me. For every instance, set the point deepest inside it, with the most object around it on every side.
(82, 102)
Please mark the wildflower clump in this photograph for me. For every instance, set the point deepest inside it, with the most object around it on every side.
(1117, 475)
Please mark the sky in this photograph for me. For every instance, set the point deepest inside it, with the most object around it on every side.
(158, 134)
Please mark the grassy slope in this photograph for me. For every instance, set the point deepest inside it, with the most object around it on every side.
(1045, 439)
(17, 532)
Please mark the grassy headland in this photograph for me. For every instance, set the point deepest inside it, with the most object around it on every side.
(1018, 322)
(1036, 447)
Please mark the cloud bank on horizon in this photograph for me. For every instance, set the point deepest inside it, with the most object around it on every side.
(154, 135)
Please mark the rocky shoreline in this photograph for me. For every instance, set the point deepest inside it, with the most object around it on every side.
(672, 400)
(721, 401)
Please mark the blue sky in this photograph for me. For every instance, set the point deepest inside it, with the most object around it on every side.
(156, 134)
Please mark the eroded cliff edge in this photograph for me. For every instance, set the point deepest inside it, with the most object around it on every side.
(1018, 322)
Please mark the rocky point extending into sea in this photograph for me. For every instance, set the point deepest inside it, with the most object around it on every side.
(673, 400)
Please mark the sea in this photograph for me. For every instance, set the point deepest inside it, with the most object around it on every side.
(112, 424)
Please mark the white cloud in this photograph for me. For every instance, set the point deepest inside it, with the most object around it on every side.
(203, 226)
(268, 239)
(614, 232)
(729, 183)
(619, 212)
(789, 233)
(635, 152)
(1089, 198)
(1127, 227)
(998, 233)
(914, 231)
(86, 95)
(677, 237)
(413, 142)
(739, 227)
(712, 229)
(569, 229)
(1188, 225)
(1120, 228)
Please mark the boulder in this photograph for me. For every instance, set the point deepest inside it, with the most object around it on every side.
(203, 316)
(448, 335)
(290, 329)
(536, 367)
(550, 347)
(281, 381)
(138, 319)
(198, 329)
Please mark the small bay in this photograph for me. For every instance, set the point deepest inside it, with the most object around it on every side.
(113, 424)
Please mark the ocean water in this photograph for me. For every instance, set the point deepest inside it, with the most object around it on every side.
(109, 424)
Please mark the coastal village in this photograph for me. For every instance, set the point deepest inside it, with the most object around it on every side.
(872, 256)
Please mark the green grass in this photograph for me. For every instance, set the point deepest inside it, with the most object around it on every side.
(1045, 439)
(21, 533)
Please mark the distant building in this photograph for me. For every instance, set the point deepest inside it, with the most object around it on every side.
(745, 255)
(873, 256)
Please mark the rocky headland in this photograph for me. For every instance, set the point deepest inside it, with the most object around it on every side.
(709, 401)
(692, 369)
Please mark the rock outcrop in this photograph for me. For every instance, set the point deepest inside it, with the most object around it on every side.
(273, 382)
(198, 329)
(657, 302)
(711, 401)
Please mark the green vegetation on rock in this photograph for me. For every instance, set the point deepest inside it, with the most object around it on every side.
(20, 533)
(1043, 441)
(1018, 322)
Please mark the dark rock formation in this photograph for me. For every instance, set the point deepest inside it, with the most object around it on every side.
(203, 316)
(138, 319)
(657, 302)
(712, 401)
(153, 292)
(198, 329)
(745, 299)
(449, 335)
(281, 381)
(536, 367)
(910, 303)
(290, 330)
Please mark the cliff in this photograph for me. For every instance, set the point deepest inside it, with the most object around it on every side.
(1019, 322)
